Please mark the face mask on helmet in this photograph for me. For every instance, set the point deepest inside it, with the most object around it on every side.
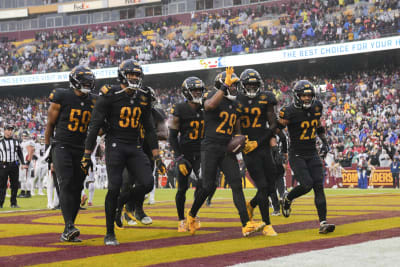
(192, 89)
(304, 94)
(130, 74)
(82, 79)
(25, 136)
(251, 82)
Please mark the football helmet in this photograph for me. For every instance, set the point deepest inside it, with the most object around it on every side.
(189, 86)
(82, 78)
(232, 91)
(130, 66)
(41, 139)
(303, 87)
(251, 82)
(25, 135)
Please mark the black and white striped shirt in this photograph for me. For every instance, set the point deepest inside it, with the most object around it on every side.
(10, 150)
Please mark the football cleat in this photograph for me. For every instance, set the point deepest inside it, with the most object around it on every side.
(286, 203)
(143, 218)
(325, 227)
(250, 210)
(269, 231)
(110, 240)
(191, 223)
(90, 204)
(182, 226)
(119, 219)
(276, 213)
(64, 238)
(70, 234)
(252, 227)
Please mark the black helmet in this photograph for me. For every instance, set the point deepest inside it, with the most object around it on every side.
(219, 81)
(191, 84)
(133, 67)
(300, 88)
(251, 82)
(82, 78)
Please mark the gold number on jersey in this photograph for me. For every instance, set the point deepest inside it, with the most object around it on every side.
(231, 120)
(75, 121)
(194, 135)
(305, 125)
(130, 117)
(245, 119)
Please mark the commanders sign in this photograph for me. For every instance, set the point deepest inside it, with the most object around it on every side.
(378, 177)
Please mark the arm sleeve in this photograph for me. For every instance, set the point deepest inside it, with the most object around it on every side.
(97, 121)
(150, 131)
(173, 141)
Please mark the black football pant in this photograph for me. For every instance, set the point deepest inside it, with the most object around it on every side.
(134, 199)
(9, 170)
(262, 170)
(183, 182)
(213, 156)
(310, 175)
(119, 156)
(67, 165)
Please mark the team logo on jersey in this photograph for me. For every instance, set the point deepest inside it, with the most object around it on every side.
(230, 107)
(198, 115)
(250, 102)
(82, 104)
(144, 98)
(317, 108)
(131, 101)
(262, 97)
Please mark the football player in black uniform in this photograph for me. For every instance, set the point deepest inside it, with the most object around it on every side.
(187, 122)
(257, 108)
(125, 108)
(302, 119)
(134, 206)
(220, 117)
(69, 116)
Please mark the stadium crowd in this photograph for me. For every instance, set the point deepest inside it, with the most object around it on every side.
(362, 113)
(246, 30)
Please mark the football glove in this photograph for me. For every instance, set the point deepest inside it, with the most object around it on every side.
(183, 165)
(161, 169)
(86, 163)
(228, 78)
(249, 146)
(324, 150)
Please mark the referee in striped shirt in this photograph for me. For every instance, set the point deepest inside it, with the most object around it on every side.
(10, 152)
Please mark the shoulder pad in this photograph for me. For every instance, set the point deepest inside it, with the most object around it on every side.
(105, 90)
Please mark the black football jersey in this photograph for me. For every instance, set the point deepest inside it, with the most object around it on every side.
(220, 122)
(191, 126)
(302, 127)
(124, 114)
(253, 117)
(74, 117)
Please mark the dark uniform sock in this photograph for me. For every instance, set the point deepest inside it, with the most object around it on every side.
(254, 202)
(210, 196)
(110, 207)
(198, 201)
(240, 203)
(320, 201)
(68, 203)
(263, 204)
(180, 200)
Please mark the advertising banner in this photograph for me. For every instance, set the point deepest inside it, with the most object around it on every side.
(82, 6)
